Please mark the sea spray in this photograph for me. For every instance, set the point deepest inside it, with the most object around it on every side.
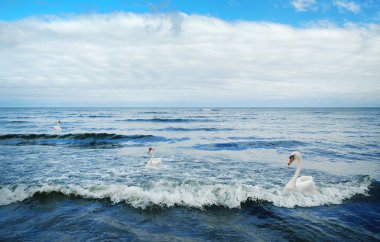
(193, 194)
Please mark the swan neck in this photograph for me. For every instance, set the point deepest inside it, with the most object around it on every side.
(151, 158)
(299, 166)
(293, 181)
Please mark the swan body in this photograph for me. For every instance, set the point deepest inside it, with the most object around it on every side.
(58, 126)
(304, 184)
(153, 161)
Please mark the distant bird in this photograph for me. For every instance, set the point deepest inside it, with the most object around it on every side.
(153, 161)
(304, 184)
(58, 126)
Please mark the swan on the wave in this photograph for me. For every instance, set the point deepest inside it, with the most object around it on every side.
(304, 184)
(153, 161)
(58, 126)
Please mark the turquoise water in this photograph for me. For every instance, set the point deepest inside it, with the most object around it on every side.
(222, 176)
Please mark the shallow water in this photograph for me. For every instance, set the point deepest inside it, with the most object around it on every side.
(222, 176)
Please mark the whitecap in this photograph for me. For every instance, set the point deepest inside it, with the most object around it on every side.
(193, 194)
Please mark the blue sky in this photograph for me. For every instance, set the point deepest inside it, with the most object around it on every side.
(190, 53)
(280, 11)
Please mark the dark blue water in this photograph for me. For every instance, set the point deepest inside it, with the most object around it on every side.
(222, 175)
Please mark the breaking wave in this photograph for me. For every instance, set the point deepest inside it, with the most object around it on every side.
(197, 195)
(75, 139)
(180, 129)
(243, 145)
(167, 120)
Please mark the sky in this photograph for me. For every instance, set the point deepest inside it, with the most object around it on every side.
(171, 53)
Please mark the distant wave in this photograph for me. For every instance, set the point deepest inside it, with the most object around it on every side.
(75, 139)
(91, 115)
(193, 194)
(167, 120)
(13, 121)
(99, 116)
(153, 112)
(243, 145)
(179, 129)
(19, 121)
(211, 109)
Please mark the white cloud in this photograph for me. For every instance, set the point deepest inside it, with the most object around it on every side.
(178, 59)
(304, 5)
(348, 6)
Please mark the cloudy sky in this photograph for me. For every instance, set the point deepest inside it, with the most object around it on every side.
(234, 53)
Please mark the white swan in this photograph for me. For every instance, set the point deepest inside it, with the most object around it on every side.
(304, 184)
(58, 126)
(153, 161)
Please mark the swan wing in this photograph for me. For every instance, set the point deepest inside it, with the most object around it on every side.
(307, 186)
(156, 161)
(291, 185)
(304, 178)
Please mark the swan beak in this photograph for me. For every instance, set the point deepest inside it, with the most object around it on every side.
(291, 159)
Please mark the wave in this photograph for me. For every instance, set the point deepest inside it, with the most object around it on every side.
(211, 109)
(76, 139)
(166, 120)
(243, 145)
(178, 129)
(99, 116)
(193, 194)
(19, 121)
(153, 112)
(13, 121)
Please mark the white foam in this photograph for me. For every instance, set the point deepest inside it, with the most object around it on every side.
(170, 194)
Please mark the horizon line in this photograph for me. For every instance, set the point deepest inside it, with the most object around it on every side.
(190, 107)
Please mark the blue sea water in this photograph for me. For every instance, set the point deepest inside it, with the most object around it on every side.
(222, 176)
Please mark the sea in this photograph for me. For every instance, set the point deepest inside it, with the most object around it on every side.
(221, 177)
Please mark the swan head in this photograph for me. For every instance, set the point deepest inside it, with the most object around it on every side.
(294, 156)
(151, 150)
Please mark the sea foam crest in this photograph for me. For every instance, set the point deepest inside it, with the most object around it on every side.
(168, 194)
(75, 139)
